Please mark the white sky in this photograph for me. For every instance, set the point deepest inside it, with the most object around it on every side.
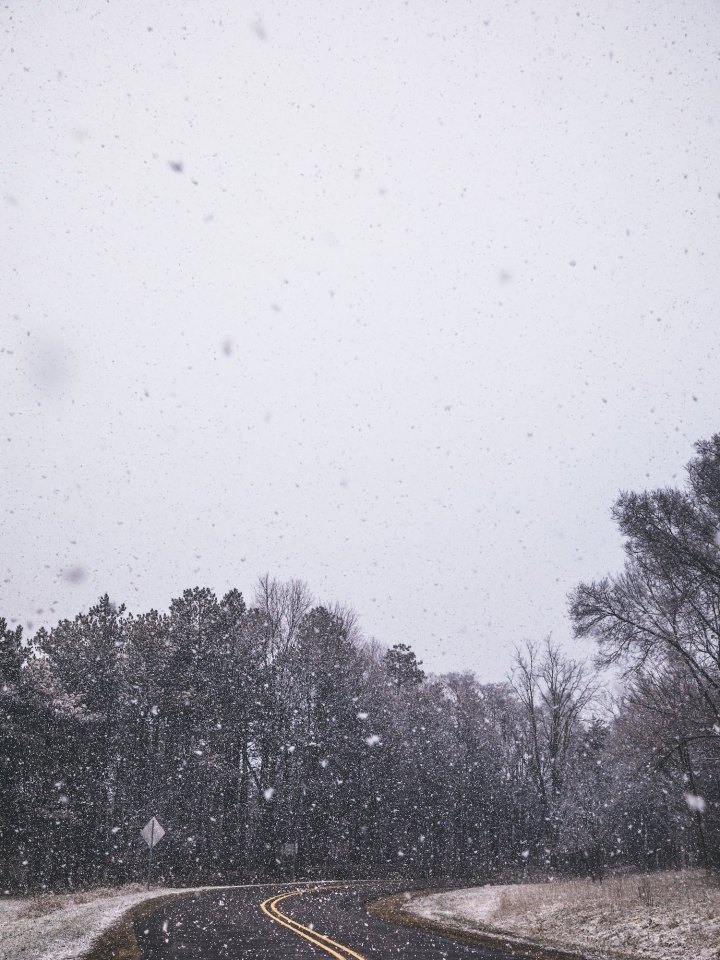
(436, 280)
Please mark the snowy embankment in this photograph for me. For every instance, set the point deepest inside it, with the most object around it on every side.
(663, 916)
(64, 927)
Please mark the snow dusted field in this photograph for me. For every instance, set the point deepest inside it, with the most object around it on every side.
(54, 927)
(665, 916)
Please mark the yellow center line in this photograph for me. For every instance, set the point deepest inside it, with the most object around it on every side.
(320, 936)
(269, 907)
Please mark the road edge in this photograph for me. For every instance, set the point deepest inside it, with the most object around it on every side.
(392, 909)
(118, 941)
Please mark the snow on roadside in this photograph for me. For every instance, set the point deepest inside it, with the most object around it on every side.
(465, 909)
(667, 916)
(63, 927)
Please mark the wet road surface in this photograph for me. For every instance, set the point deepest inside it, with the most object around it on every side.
(287, 922)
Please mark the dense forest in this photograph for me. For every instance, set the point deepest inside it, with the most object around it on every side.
(272, 740)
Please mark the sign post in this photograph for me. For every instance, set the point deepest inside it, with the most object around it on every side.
(152, 833)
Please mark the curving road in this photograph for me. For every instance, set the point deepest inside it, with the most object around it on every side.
(290, 923)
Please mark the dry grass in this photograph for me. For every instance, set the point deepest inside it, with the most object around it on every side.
(396, 909)
(44, 904)
(686, 889)
(662, 916)
(62, 927)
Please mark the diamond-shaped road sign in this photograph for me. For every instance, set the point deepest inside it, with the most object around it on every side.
(152, 832)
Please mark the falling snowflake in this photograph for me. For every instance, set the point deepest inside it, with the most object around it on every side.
(695, 803)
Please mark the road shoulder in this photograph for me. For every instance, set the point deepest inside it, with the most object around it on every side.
(394, 909)
(118, 941)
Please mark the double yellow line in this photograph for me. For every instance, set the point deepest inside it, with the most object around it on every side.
(337, 950)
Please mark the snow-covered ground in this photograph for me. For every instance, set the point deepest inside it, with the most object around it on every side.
(665, 916)
(54, 927)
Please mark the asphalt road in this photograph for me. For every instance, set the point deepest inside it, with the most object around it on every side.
(270, 923)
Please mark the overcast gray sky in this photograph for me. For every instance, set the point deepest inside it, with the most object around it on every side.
(393, 297)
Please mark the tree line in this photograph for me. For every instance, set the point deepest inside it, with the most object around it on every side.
(274, 741)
